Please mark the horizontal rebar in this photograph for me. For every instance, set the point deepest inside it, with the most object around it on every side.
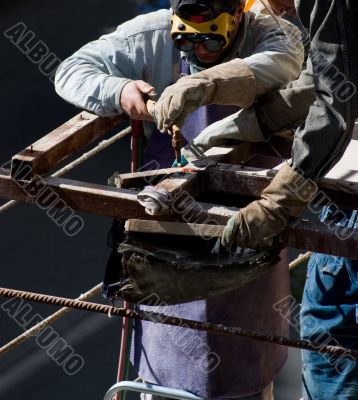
(46, 322)
(209, 327)
(86, 156)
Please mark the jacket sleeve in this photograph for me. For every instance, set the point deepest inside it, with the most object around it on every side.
(94, 76)
(277, 55)
(321, 142)
(92, 79)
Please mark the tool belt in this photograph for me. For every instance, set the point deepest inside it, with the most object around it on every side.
(171, 269)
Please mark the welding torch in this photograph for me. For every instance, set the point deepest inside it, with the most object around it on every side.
(177, 138)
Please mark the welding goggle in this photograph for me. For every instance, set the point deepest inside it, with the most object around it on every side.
(210, 43)
(214, 33)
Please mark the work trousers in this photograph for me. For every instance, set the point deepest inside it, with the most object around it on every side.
(329, 315)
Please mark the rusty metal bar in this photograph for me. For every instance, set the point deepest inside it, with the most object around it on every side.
(216, 329)
(84, 157)
(42, 156)
(47, 321)
(122, 203)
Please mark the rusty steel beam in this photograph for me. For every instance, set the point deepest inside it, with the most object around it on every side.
(153, 175)
(249, 181)
(326, 238)
(43, 155)
(52, 193)
(179, 182)
(302, 234)
(235, 180)
(141, 178)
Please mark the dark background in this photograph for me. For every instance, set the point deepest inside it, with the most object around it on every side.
(35, 254)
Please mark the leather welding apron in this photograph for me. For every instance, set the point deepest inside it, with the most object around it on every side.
(208, 365)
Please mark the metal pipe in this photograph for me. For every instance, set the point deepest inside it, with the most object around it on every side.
(149, 389)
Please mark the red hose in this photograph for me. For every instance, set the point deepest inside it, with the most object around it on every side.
(136, 144)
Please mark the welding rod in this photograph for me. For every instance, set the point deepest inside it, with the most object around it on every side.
(177, 138)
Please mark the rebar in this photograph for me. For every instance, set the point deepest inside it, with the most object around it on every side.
(209, 327)
(46, 322)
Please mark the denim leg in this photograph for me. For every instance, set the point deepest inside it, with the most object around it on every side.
(329, 316)
(333, 30)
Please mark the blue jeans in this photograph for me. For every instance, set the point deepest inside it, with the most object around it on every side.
(330, 315)
(333, 29)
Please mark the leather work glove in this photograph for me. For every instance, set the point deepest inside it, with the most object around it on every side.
(256, 225)
(231, 83)
(241, 126)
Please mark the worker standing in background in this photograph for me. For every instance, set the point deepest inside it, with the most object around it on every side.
(207, 40)
(329, 306)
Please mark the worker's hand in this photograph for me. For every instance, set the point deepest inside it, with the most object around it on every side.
(256, 225)
(177, 102)
(133, 101)
(228, 83)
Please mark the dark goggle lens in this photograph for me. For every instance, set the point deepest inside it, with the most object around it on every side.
(213, 45)
(183, 44)
(187, 43)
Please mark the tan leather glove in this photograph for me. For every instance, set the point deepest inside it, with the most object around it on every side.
(256, 225)
(231, 83)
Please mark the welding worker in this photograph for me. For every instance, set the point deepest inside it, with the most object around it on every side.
(198, 41)
(329, 305)
(276, 113)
